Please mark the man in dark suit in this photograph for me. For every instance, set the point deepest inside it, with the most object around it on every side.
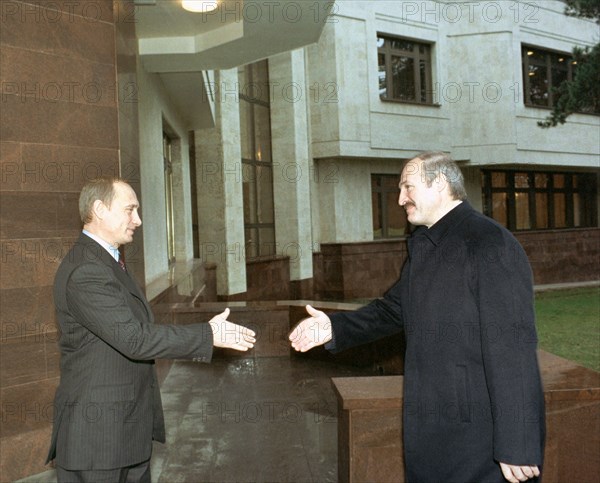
(108, 407)
(473, 401)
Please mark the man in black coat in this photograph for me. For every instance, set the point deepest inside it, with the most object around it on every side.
(473, 400)
(108, 407)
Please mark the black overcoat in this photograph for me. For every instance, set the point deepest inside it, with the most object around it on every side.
(472, 389)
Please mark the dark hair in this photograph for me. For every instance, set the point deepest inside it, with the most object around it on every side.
(435, 163)
(102, 189)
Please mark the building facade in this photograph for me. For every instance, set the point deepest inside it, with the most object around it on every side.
(385, 81)
(265, 140)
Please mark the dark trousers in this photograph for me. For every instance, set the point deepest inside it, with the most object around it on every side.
(139, 473)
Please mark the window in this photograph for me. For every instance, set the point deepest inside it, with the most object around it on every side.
(168, 173)
(257, 162)
(528, 200)
(543, 72)
(404, 70)
(389, 220)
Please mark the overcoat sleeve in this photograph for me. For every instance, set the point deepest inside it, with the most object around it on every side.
(508, 338)
(380, 318)
(100, 303)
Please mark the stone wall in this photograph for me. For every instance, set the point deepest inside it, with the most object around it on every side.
(59, 127)
(346, 271)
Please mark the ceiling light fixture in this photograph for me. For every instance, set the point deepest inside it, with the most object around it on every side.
(199, 6)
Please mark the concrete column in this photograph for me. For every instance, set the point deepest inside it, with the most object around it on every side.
(184, 248)
(345, 197)
(292, 169)
(219, 184)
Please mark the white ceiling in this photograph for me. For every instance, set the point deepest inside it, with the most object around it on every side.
(236, 33)
(164, 18)
(184, 47)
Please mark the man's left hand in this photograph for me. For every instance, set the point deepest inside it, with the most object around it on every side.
(229, 335)
(514, 473)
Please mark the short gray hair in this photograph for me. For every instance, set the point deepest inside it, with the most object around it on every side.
(435, 163)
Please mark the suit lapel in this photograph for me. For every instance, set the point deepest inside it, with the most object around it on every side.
(120, 274)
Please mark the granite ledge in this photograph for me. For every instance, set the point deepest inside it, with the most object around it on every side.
(380, 392)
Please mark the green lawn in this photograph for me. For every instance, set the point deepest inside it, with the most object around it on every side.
(568, 324)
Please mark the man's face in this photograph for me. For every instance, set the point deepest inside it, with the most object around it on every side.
(120, 220)
(422, 203)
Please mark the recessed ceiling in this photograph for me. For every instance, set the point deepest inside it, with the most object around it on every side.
(238, 32)
(167, 18)
(184, 47)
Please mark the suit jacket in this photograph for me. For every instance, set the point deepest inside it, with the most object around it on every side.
(107, 407)
(472, 388)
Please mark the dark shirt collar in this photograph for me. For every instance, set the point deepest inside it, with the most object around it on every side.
(441, 228)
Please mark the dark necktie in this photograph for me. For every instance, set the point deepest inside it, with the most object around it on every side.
(122, 264)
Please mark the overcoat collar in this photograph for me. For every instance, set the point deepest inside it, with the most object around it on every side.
(443, 226)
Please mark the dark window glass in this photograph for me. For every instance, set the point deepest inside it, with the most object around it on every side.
(543, 73)
(541, 180)
(522, 211)
(521, 180)
(498, 179)
(540, 200)
(404, 70)
(560, 219)
(389, 219)
(541, 212)
(257, 162)
(500, 208)
(403, 78)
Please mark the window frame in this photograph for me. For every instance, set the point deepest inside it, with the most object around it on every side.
(586, 187)
(387, 51)
(257, 244)
(548, 53)
(168, 141)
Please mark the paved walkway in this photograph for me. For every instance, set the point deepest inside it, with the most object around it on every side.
(270, 419)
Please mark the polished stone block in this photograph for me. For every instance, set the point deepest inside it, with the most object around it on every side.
(370, 429)
(361, 270)
(59, 168)
(24, 453)
(33, 27)
(31, 262)
(38, 214)
(369, 445)
(59, 128)
(27, 407)
(20, 317)
(560, 256)
(345, 271)
(64, 10)
(35, 75)
(81, 124)
(268, 278)
(572, 396)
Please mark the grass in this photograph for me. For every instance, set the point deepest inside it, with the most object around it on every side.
(568, 324)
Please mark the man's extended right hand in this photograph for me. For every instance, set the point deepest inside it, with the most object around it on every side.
(229, 335)
(311, 332)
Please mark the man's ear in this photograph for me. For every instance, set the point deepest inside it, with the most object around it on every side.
(440, 182)
(98, 208)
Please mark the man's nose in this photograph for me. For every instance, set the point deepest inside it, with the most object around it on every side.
(137, 221)
(402, 199)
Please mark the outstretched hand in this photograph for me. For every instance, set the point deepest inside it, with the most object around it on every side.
(229, 335)
(311, 332)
